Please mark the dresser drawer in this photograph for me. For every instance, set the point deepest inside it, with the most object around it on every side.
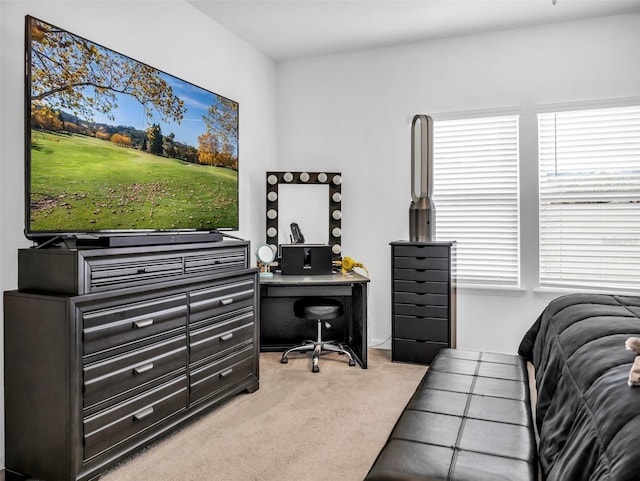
(219, 338)
(112, 376)
(110, 274)
(421, 299)
(421, 311)
(123, 421)
(218, 260)
(209, 379)
(421, 287)
(123, 324)
(221, 299)
(421, 251)
(435, 263)
(418, 352)
(422, 328)
(424, 275)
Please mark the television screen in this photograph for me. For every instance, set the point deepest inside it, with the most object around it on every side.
(114, 145)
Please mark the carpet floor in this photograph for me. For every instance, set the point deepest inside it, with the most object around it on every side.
(298, 425)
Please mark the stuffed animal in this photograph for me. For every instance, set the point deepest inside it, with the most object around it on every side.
(633, 344)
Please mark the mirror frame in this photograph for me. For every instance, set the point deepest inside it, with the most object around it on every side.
(332, 179)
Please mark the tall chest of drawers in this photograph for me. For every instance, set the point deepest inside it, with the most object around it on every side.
(108, 349)
(423, 300)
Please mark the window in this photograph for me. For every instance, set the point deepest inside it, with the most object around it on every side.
(589, 164)
(476, 197)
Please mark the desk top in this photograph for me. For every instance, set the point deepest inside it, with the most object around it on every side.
(337, 278)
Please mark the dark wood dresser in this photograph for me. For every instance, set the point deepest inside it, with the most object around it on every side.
(423, 300)
(108, 349)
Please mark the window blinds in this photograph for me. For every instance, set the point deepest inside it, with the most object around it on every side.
(476, 197)
(589, 166)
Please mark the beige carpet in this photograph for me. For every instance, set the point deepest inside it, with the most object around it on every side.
(298, 425)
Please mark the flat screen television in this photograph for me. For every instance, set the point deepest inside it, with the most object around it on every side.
(114, 146)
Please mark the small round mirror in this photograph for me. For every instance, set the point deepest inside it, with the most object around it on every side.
(266, 254)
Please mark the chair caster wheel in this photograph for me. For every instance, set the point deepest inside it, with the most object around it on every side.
(352, 362)
(284, 360)
(315, 369)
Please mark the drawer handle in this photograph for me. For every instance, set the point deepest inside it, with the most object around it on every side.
(226, 302)
(226, 337)
(140, 415)
(226, 373)
(142, 323)
(143, 368)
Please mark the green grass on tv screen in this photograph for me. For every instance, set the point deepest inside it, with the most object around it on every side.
(81, 183)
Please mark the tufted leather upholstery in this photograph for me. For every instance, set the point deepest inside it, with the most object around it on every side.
(469, 420)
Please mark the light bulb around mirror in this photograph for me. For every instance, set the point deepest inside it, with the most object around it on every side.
(336, 232)
(336, 197)
(336, 214)
(322, 177)
(272, 196)
(272, 214)
(287, 177)
(304, 177)
(337, 180)
(272, 232)
(336, 249)
(272, 179)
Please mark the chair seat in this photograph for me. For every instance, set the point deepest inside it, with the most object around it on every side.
(322, 312)
(319, 310)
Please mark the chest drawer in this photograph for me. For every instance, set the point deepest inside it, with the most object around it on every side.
(110, 377)
(123, 324)
(437, 263)
(421, 251)
(421, 311)
(211, 378)
(221, 299)
(421, 299)
(123, 421)
(219, 260)
(421, 328)
(418, 352)
(421, 287)
(217, 339)
(109, 274)
(422, 275)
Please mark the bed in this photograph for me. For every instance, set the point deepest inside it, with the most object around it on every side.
(588, 417)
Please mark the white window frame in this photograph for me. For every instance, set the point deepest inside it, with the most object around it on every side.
(589, 198)
(477, 196)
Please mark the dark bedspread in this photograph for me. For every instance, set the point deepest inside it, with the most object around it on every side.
(587, 415)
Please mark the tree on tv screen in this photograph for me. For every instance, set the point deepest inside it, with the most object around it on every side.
(73, 79)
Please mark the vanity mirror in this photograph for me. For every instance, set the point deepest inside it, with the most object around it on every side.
(266, 254)
(313, 200)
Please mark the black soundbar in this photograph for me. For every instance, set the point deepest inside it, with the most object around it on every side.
(147, 239)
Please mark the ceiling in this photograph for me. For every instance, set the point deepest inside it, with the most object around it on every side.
(288, 29)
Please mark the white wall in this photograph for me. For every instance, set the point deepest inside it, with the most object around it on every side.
(172, 36)
(351, 113)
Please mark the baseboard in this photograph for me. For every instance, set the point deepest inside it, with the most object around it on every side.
(380, 344)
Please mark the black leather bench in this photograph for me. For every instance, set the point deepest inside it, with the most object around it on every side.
(469, 420)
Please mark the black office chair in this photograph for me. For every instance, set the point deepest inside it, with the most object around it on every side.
(319, 310)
